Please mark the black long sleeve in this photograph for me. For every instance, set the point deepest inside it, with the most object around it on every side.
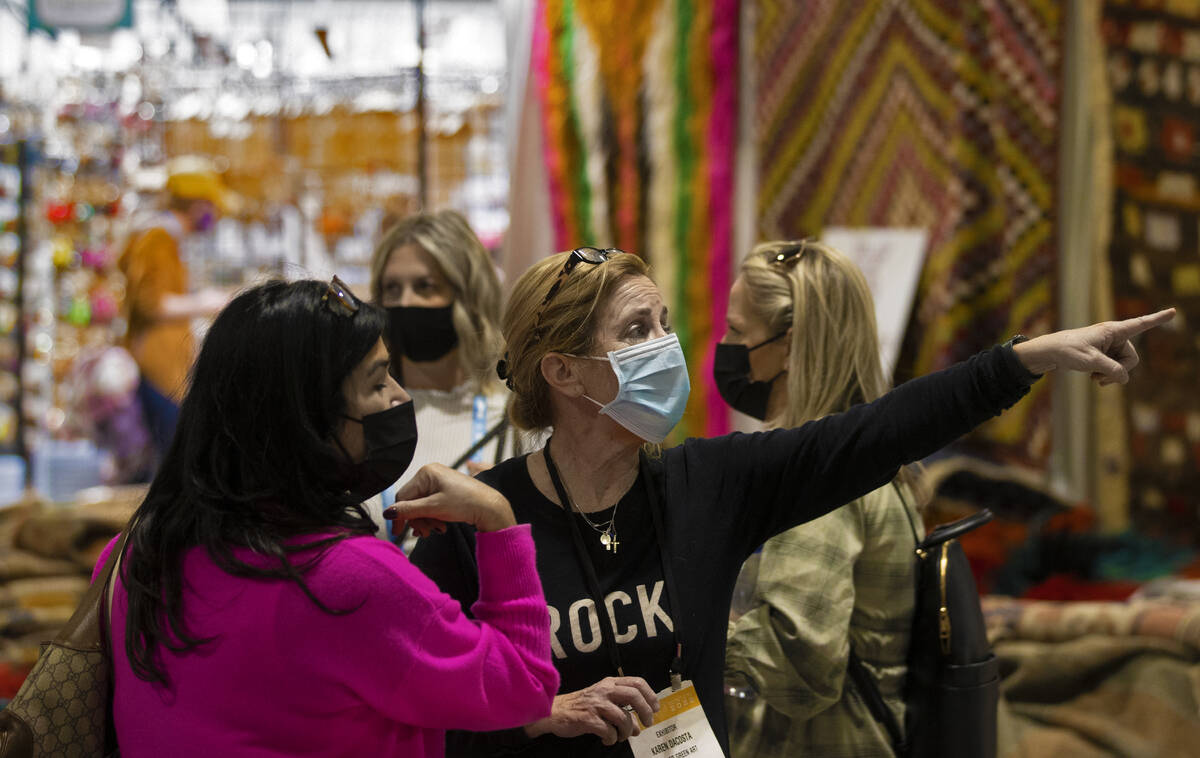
(786, 477)
(722, 498)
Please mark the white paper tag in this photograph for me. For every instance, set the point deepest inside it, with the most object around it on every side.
(680, 728)
(891, 259)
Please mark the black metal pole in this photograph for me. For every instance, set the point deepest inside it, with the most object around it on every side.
(422, 150)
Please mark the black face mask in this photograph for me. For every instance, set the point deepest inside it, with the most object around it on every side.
(731, 372)
(391, 439)
(421, 334)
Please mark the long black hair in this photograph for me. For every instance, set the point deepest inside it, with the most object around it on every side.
(253, 462)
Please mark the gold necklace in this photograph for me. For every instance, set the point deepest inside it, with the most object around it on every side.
(607, 530)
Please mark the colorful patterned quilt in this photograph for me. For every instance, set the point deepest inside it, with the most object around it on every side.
(1153, 66)
(938, 114)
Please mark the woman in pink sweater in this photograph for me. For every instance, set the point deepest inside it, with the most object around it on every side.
(256, 616)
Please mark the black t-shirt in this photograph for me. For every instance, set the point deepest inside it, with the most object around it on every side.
(631, 582)
(721, 498)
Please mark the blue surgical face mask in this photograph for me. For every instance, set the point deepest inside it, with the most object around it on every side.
(652, 388)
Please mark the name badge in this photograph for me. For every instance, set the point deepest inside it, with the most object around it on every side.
(680, 728)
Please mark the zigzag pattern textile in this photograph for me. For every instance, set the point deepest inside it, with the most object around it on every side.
(639, 118)
(1153, 68)
(940, 114)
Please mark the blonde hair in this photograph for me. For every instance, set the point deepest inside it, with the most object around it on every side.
(823, 298)
(567, 325)
(834, 360)
(468, 268)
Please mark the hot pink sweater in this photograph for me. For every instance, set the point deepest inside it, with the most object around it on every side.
(284, 678)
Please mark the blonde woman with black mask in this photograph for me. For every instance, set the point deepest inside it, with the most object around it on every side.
(802, 344)
(442, 296)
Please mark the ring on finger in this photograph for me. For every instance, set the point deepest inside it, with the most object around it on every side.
(627, 708)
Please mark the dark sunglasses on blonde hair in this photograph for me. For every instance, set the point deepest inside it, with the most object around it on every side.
(593, 255)
(339, 300)
(788, 256)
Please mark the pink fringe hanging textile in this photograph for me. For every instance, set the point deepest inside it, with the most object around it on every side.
(552, 120)
(722, 139)
(702, 123)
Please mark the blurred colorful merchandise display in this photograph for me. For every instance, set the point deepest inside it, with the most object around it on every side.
(11, 202)
(73, 291)
(358, 160)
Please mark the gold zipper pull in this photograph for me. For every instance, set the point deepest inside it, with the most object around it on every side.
(943, 611)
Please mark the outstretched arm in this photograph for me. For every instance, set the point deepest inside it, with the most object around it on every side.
(785, 477)
(1103, 350)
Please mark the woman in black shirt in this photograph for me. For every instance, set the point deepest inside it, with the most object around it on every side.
(639, 547)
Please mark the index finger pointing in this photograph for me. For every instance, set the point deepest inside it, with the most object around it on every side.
(1132, 327)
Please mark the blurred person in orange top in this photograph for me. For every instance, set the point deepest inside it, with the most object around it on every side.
(159, 303)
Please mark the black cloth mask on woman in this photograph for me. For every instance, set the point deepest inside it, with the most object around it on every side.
(391, 439)
(731, 372)
(421, 334)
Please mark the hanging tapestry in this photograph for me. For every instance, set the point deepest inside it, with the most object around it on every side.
(1153, 68)
(939, 114)
(639, 114)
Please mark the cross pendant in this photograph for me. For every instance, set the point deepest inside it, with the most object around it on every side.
(609, 540)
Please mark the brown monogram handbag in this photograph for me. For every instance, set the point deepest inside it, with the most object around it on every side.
(64, 708)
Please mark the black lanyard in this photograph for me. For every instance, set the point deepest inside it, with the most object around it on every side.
(656, 513)
(607, 625)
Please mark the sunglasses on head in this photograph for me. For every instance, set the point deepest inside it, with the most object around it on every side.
(593, 255)
(789, 255)
(339, 299)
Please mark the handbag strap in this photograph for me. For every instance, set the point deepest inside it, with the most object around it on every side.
(114, 558)
(866, 684)
(82, 628)
(907, 514)
(873, 699)
(113, 566)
